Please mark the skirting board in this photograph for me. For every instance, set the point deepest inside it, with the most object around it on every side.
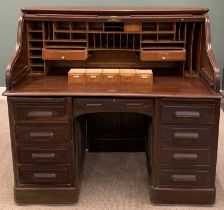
(2, 89)
(222, 92)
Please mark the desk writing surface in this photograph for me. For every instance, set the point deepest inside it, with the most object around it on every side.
(162, 86)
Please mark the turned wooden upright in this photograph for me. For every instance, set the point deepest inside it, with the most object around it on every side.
(174, 121)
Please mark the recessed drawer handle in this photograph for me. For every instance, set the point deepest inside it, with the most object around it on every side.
(183, 178)
(133, 104)
(40, 114)
(182, 156)
(43, 155)
(44, 175)
(94, 105)
(187, 114)
(186, 136)
(41, 134)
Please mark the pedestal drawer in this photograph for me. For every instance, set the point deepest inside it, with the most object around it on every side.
(187, 134)
(184, 178)
(44, 176)
(185, 156)
(183, 113)
(40, 113)
(38, 155)
(51, 134)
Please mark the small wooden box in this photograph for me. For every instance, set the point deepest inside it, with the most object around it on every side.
(76, 76)
(111, 76)
(93, 75)
(144, 76)
(132, 27)
(127, 76)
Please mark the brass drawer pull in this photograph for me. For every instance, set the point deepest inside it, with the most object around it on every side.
(76, 76)
(40, 114)
(93, 76)
(110, 77)
(182, 156)
(94, 105)
(183, 178)
(41, 134)
(144, 77)
(133, 104)
(44, 175)
(186, 136)
(187, 114)
(43, 155)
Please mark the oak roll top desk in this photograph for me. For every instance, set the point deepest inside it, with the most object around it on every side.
(175, 120)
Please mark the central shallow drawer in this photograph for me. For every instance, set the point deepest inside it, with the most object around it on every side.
(31, 155)
(51, 134)
(113, 104)
(44, 176)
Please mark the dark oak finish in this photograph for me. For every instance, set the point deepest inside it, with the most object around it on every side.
(175, 120)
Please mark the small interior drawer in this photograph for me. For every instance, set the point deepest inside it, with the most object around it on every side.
(184, 178)
(51, 54)
(185, 156)
(44, 176)
(163, 55)
(47, 155)
(41, 135)
(76, 76)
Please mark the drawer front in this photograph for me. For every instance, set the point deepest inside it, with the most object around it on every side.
(41, 134)
(44, 176)
(127, 79)
(76, 79)
(40, 113)
(50, 54)
(184, 178)
(163, 55)
(186, 113)
(144, 79)
(186, 135)
(93, 78)
(185, 156)
(30, 155)
(111, 78)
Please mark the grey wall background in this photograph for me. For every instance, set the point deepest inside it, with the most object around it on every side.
(10, 10)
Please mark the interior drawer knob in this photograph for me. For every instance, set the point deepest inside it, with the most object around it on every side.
(62, 57)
